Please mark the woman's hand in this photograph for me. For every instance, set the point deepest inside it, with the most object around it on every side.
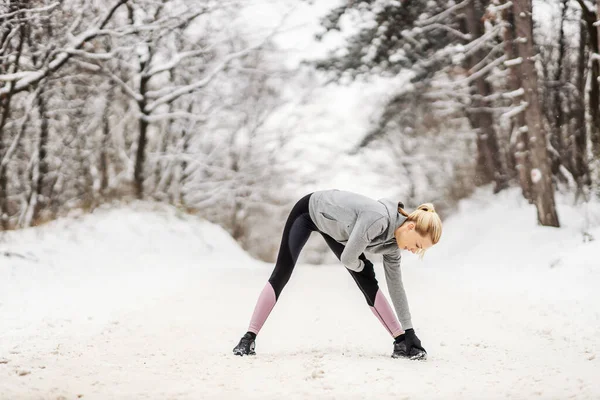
(409, 346)
(412, 341)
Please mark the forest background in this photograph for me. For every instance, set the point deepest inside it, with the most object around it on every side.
(232, 110)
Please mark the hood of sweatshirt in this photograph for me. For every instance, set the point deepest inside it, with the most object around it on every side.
(396, 219)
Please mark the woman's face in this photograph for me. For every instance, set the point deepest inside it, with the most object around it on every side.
(408, 239)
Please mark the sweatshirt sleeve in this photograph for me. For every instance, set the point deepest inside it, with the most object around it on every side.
(393, 276)
(365, 229)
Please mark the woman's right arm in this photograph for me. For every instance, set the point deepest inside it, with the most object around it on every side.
(393, 276)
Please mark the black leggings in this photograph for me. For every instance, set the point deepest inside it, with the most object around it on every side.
(297, 230)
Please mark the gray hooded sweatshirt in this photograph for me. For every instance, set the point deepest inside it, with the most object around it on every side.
(363, 224)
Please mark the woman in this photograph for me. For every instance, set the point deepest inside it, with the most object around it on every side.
(350, 224)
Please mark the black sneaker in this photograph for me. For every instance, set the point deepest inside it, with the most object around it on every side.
(415, 354)
(245, 346)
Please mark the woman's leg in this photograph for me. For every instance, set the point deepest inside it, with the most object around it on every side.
(368, 285)
(297, 230)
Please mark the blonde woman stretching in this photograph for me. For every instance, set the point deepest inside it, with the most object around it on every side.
(351, 224)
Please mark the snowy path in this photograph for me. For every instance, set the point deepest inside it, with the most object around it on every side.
(160, 326)
(321, 341)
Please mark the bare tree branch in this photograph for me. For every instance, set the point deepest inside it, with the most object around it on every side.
(476, 75)
(126, 88)
(30, 11)
(89, 55)
(175, 60)
(175, 94)
(441, 16)
(33, 77)
(173, 115)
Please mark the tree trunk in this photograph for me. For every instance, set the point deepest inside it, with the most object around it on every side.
(541, 176)
(163, 174)
(5, 108)
(41, 201)
(595, 85)
(518, 137)
(140, 156)
(589, 16)
(559, 115)
(489, 163)
(84, 185)
(183, 178)
(140, 159)
(579, 137)
(105, 144)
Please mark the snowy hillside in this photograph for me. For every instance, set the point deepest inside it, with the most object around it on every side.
(145, 302)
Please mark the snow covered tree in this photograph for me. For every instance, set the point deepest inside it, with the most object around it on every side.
(590, 18)
(447, 49)
(160, 50)
(541, 175)
(518, 136)
(481, 116)
(37, 43)
(579, 138)
(92, 98)
(233, 163)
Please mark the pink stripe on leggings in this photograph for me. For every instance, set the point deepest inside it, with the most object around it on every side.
(264, 305)
(385, 315)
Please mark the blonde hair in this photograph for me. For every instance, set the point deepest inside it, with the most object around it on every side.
(427, 221)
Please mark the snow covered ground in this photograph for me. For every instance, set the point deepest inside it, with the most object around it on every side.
(144, 302)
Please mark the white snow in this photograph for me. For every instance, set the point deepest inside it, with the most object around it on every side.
(536, 175)
(513, 62)
(142, 301)
(515, 93)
